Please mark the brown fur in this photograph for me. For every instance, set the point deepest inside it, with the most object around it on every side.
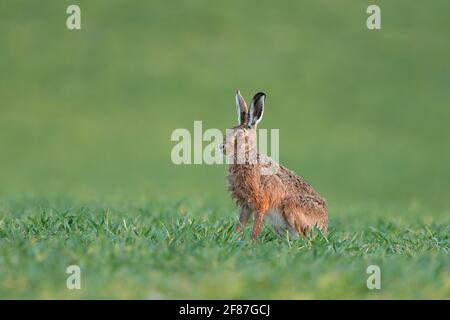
(282, 195)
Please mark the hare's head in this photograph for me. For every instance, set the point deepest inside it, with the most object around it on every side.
(241, 139)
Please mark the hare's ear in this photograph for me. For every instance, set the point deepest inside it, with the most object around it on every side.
(257, 108)
(242, 109)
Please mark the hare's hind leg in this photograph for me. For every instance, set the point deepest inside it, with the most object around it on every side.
(303, 215)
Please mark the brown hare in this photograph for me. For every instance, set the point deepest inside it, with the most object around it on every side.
(261, 187)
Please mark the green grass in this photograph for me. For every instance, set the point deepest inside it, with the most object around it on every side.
(156, 250)
(85, 124)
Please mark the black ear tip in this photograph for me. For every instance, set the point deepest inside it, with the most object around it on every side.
(259, 95)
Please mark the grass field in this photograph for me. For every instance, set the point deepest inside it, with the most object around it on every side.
(161, 250)
(86, 176)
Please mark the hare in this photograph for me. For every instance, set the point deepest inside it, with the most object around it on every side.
(290, 203)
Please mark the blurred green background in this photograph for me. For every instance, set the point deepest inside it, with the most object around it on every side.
(87, 116)
(363, 115)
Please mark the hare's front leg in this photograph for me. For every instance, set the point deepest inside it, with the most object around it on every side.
(244, 215)
(259, 219)
(260, 213)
